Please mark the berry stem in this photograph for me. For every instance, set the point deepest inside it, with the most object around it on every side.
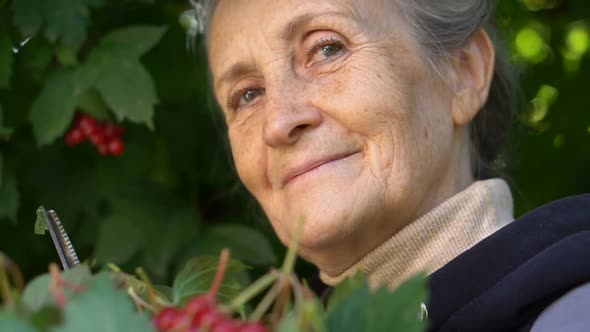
(76, 288)
(281, 304)
(307, 292)
(5, 291)
(14, 272)
(253, 290)
(298, 291)
(150, 287)
(139, 302)
(304, 301)
(56, 286)
(114, 268)
(220, 274)
(268, 300)
(291, 256)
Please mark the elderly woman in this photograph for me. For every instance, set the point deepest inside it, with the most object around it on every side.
(376, 121)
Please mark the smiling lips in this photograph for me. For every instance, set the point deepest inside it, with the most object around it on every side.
(311, 165)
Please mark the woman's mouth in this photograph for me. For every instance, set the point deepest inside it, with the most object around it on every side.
(311, 165)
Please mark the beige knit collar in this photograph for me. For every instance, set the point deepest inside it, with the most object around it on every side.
(436, 238)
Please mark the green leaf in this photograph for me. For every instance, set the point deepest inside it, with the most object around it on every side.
(311, 315)
(46, 317)
(307, 315)
(66, 19)
(63, 19)
(399, 310)
(41, 224)
(35, 57)
(125, 85)
(345, 289)
(9, 197)
(11, 323)
(171, 228)
(103, 309)
(349, 315)
(246, 243)
(198, 274)
(164, 292)
(91, 103)
(67, 55)
(129, 90)
(119, 237)
(289, 324)
(382, 310)
(28, 15)
(131, 42)
(94, 3)
(6, 60)
(37, 294)
(5, 133)
(54, 108)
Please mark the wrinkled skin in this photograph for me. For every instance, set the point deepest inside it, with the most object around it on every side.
(340, 121)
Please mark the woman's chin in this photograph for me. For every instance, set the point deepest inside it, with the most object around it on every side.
(329, 200)
(323, 228)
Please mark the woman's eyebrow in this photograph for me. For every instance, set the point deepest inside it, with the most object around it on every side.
(235, 70)
(296, 23)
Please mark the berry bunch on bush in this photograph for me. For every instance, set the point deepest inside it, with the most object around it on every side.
(77, 300)
(106, 136)
(202, 314)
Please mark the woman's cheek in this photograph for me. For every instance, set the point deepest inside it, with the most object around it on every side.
(247, 154)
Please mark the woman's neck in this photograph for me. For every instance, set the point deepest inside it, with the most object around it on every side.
(435, 238)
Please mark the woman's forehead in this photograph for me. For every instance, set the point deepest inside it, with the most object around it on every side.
(276, 15)
(241, 27)
(272, 17)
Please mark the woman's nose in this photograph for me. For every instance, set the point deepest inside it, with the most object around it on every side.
(288, 118)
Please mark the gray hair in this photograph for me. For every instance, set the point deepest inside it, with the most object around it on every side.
(443, 27)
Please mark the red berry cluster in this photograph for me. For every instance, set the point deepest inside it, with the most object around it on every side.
(106, 136)
(201, 314)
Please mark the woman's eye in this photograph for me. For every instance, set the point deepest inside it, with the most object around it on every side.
(250, 95)
(325, 49)
(330, 50)
(244, 97)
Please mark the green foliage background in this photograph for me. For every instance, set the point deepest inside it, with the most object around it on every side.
(174, 193)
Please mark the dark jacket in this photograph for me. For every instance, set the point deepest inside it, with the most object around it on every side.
(506, 281)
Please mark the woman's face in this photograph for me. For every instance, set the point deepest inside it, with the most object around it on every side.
(333, 117)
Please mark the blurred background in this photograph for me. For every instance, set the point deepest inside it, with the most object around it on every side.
(173, 193)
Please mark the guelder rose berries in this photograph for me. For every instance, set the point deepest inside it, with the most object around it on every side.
(106, 136)
(201, 314)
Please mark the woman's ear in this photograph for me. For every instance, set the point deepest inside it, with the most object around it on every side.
(473, 68)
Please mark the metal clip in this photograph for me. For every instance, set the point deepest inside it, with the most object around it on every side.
(62, 242)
